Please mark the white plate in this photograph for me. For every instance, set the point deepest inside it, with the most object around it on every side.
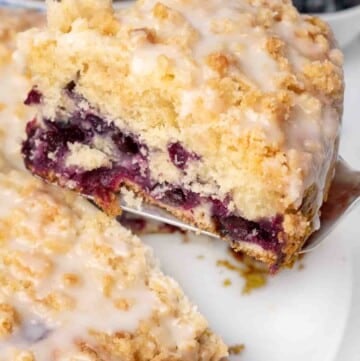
(345, 24)
(33, 4)
(299, 315)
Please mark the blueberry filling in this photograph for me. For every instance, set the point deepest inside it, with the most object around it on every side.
(47, 147)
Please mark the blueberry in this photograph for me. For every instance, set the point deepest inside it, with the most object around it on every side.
(34, 97)
(96, 125)
(219, 208)
(70, 86)
(178, 155)
(179, 197)
(35, 331)
(126, 143)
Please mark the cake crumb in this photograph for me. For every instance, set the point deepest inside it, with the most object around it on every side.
(131, 199)
(200, 256)
(71, 279)
(227, 282)
(300, 262)
(2, 107)
(87, 158)
(228, 265)
(185, 237)
(123, 304)
(253, 280)
(253, 273)
(236, 349)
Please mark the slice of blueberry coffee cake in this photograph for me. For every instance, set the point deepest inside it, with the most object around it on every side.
(226, 113)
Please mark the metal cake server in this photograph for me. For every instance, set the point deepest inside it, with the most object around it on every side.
(343, 196)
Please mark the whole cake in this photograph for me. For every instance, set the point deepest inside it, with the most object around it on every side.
(226, 113)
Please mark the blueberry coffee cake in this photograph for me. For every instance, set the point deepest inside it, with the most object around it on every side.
(226, 113)
(74, 284)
